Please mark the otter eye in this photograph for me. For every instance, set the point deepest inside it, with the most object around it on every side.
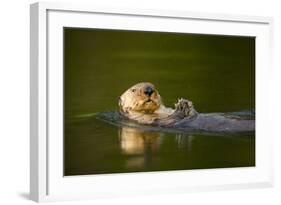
(133, 90)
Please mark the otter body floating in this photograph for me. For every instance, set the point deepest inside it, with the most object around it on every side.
(186, 117)
(204, 123)
(214, 122)
(142, 104)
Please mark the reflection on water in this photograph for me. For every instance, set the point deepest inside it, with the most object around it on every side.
(184, 141)
(141, 146)
(96, 147)
(134, 141)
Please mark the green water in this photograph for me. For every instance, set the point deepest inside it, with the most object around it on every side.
(216, 72)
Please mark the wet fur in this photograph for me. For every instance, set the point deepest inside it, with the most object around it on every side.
(136, 105)
(133, 105)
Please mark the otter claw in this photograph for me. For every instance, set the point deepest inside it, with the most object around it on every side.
(184, 106)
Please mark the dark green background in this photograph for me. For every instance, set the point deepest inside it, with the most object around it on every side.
(216, 72)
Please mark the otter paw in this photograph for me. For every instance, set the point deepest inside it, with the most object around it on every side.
(185, 106)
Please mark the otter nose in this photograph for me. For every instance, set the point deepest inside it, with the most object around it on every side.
(148, 91)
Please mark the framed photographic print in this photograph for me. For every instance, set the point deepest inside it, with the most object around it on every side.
(131, 101)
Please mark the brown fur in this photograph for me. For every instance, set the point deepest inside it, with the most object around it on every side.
(136, 105)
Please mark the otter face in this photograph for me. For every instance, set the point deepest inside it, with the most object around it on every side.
(142, 97)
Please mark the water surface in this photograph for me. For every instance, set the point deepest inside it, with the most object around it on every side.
(216, 72)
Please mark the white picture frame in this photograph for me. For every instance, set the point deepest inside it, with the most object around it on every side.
(47, 182)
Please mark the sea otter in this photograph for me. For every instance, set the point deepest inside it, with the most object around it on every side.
(142, 104)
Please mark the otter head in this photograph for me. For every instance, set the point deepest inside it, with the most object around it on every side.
(142, 97)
